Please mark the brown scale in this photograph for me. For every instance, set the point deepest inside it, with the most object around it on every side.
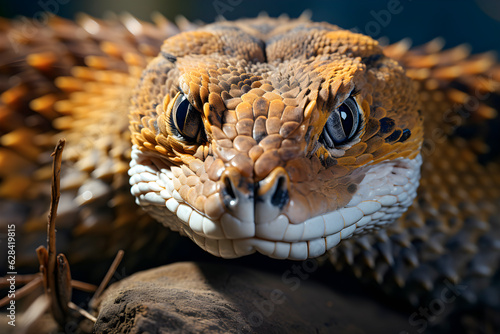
(256, 117)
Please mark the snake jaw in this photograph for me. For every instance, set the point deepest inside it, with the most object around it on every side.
(383, 195)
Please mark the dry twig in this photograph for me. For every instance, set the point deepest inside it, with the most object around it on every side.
(54, 270)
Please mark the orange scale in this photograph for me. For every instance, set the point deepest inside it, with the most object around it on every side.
(244, 127)
(249, 97)
(356, 150)
(291, 102)
(346, 161)
(203, 93)
(289, 153)
(230, 116)
(273, 125)
(13, 96)
(229, 130)
(363, 159)
(269, 95)
(371, 128)
(162, 140)
(260, 107)
(244, 111)
(257, 91)
(410, 153)
(292, 114)
(373, 144)
(393, 155)
(194, 77)
(338, 171)
(232, 102)
(98, 62)
(216, 103)
(288, 128)
(271, 142)
(218, 134)
(235, 91)
(83, 72)
(243, 163)
(255, 152)
(69, 84)
(267, 162)
(161, 149)
(259, 127)
(276, 108)
(244, 143)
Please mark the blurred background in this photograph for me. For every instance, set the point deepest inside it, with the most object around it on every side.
(476, 22)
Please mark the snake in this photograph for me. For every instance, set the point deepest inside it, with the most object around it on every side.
(285, 137)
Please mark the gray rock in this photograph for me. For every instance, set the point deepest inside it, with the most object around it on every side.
(192, 297)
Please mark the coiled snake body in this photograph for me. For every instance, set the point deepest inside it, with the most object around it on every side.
(278, 136)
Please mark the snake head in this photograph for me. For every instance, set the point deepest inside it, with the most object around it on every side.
(273, 135)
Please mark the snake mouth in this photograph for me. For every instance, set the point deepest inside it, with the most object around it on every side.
(280, 239)
(386, 191)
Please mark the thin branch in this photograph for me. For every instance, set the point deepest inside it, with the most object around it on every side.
(54, 202)
(20, 280)
(82, 286)
(52, 279)
(107, 278)
(86, 314)
(20, 293)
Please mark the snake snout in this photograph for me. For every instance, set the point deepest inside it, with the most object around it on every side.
(237, 194)
(251, 201)
(274, 188)
(272, 195)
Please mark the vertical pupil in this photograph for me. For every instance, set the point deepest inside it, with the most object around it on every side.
(341, 125)
(181, 113)
(347, 119)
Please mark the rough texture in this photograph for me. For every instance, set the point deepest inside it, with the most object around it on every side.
(264, 174)
(69, 78)
(189, 297)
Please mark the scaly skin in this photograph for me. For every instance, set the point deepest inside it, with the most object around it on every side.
(263, 111)
(257, 131)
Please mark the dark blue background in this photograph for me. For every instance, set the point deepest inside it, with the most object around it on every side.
(476, 22)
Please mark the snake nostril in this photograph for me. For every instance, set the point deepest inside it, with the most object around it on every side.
(228, 193)
(280, 196)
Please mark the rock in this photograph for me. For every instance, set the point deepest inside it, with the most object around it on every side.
(192, 297)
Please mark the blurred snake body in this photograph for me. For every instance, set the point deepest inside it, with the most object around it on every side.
(279, 136)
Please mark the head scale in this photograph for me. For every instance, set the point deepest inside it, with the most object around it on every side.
(277, 136)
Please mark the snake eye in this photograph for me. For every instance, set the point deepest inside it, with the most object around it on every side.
(186, 119)
(342, 124)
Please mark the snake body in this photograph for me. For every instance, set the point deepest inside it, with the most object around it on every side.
(278, 136)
